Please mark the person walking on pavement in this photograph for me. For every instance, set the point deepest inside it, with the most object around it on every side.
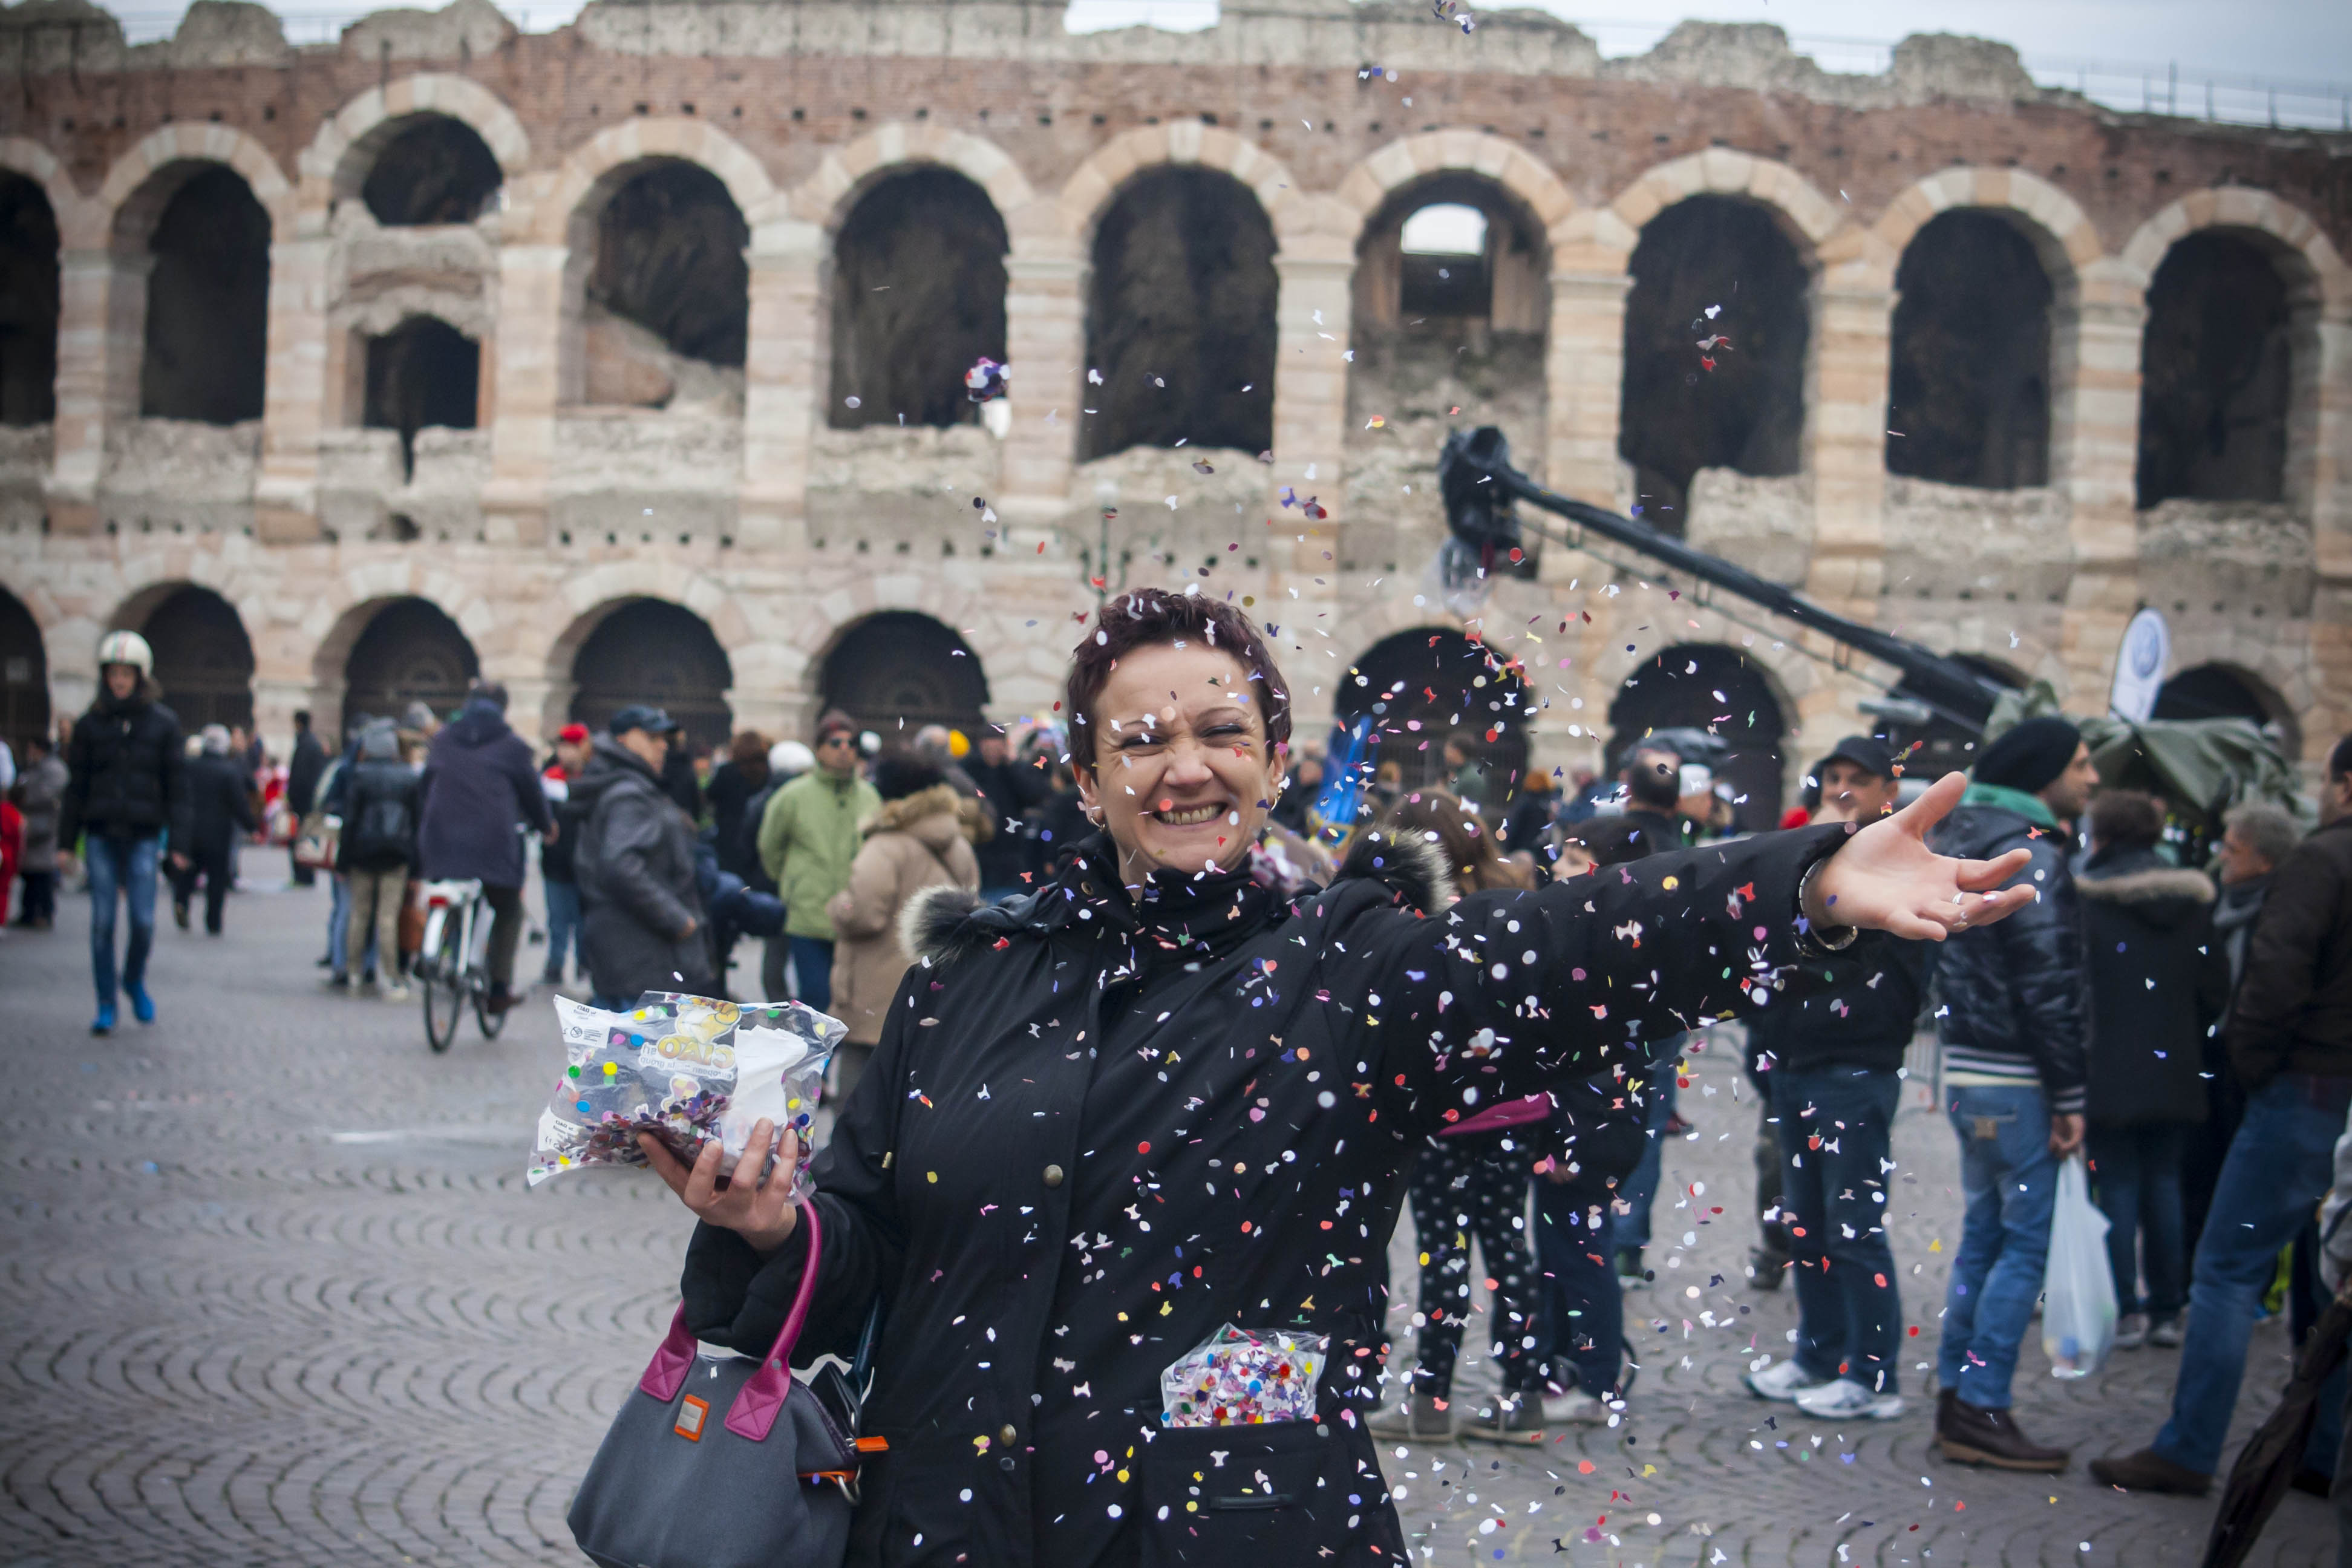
(641, 912)
(733, 785)
(39, 794)
(787, 759)
(808, 837)
(303, 772)
(2013, 1040)
(377, 847)
(2159, 980)
(555, 875)
(915, 840)
(1008, 792)
(2290, 1041)
(1653, 778)
(220, 806)
(479, 787)
(123, 791)
(1830, 1066)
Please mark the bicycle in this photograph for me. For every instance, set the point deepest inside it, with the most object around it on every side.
(452, 968)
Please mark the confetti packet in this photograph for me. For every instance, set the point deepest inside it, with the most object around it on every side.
(780, 1054)
(1244, 1377)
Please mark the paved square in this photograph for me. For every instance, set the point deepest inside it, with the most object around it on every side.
(275, 1293)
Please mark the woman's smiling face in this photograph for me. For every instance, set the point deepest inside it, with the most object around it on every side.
(1183, 775)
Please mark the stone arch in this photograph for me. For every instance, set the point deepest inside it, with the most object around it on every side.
(25, 156)
(1809, 217)
(1411, 726)
(2241, 677)
(25, 706)
(390, 649)
(896, 670)
(2239, 206)
(1674, 687)
(1367, 187)
(593, 170)
(338, 155)
(132, 195)
(916, 287)
(842, 179)
(2061, 231)
(1092, 186)
(601, 663)
(205, 658)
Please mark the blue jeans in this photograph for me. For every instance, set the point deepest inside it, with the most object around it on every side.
(2279, 1165)
(812, 972)
(338, 918)
(2136, 1177)
(1835, 1127)
(2010, 1182)
(124, 865)
(562, 927)
(1583, 1307)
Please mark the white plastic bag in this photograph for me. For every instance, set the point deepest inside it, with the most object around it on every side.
(2078, 1313)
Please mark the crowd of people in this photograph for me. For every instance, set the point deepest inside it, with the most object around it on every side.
(2186, 1029)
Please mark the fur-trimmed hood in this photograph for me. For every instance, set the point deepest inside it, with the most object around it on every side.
(907, 813)
(938, 923)
(2145, 886)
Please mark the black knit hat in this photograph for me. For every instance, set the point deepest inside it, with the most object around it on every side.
(897, 775)
(2030, 755)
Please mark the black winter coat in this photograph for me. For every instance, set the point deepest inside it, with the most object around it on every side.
(2158, 979)
(732, 788)
(1598, 1131)
(479, 782)
(1863, 1015)
(1091, 1136)
(2293, 1006)
(1007, 792)
(634, 865)
(2013, 992)
(379, 810)
(303, 771)
(125, 760)
(220, 803)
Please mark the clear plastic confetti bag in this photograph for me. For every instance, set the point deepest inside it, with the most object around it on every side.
(1242, 1377)
(688, 1069)
(2078, 1315)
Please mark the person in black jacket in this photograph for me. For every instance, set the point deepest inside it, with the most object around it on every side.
(1830, 1067)
(124, 791)
(2012, 1032)
(479, 790)
(302, 769)
(378, 845)
(1172, 1092)
(641, 911)
(220, 805)
(1007, 792)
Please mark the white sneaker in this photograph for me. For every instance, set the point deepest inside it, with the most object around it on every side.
(2131, 1331)
(1783, 1380)
(395, 993)
(1846, 1400)
(1575, 1406)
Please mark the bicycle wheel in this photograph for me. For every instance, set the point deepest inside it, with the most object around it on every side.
(491, 1021)
(440, 980)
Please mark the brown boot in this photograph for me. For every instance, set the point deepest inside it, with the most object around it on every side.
(1970, 1435)
(2149, 1471)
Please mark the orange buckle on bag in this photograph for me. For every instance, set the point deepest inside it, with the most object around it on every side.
(692, 1415)
(873, 1445)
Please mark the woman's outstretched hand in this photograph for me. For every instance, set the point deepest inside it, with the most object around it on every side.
(1885, 878)
(759, 1209)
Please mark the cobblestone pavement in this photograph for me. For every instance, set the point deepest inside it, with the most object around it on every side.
(275, 1293)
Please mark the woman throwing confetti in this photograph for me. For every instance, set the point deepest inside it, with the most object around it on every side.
(1172, 1092)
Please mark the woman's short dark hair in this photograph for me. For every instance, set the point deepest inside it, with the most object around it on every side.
(1445, 820)
(1149, 617)
(2121, 816)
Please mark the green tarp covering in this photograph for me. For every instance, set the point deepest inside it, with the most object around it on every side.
(2200, 766)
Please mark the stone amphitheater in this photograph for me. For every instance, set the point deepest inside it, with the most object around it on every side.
(626, 359)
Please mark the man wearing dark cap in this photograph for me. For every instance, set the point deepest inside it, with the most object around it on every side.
(2012, 1030)
(641, 925)
(1829, 1066)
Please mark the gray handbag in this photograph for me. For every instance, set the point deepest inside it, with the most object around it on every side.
(727, 1463)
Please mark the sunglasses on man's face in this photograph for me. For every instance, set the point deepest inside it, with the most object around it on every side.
(836, 741)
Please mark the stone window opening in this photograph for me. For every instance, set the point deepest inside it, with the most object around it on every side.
(28, 303)
(408, 650)
(203, 659)
(1718, 691)
(1181, 317)
(897, 670)
(1747, 413)
(1442, 252)
(2217, 371)
(2222, 692)
(652, 651)
(208, 306)
(1968, 384)
(1420, 686)
(665, 304)
(431, 169)
(422, 372)
(23, 675)
(918, 296)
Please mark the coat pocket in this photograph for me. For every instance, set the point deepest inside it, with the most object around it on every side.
(1287, 1491)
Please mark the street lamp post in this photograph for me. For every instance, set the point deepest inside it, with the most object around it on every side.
(1097, 561)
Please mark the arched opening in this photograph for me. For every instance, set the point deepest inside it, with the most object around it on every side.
(2215, 374)
(1969, 388)
(1712, 267)
(203, 660)
(23, 675)
(423, 373)
(208, 303)
(1421, 686)
(432, 169)
(408, 652)
(28, 303)
(667, 302)
(1180, 317)
(918, 296)
(652, 651)
(1721, 692)
(2219, 691)
(899, 670)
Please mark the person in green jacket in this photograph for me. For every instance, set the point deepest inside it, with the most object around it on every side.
(808, 836)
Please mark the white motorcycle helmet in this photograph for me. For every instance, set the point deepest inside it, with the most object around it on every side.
(126, 647)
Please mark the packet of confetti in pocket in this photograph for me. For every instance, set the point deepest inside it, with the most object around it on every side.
(1244, 1377)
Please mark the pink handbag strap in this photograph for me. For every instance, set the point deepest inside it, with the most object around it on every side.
(1509, 1113)
(753, 1413)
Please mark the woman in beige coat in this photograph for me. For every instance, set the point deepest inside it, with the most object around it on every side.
(919, 839)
